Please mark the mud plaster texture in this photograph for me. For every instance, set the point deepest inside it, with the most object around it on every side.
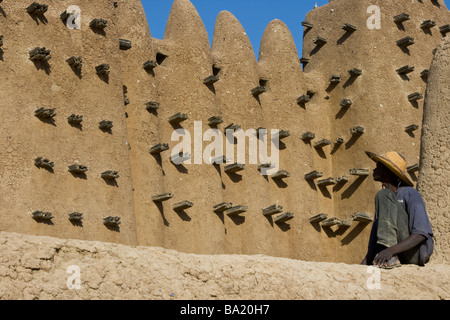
(33, 267)
(379, 99)
(435, 151)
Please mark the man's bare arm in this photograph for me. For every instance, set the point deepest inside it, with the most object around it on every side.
(407, 244)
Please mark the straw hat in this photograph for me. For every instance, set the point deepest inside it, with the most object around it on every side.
(394, 162)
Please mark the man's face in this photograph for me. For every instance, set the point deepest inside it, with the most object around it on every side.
(380, 172)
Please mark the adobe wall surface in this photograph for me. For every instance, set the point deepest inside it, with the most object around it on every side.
(33, 267)
(435, 159)
(27, 86)
(379, 99)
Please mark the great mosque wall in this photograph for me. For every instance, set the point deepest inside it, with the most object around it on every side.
(88, 115)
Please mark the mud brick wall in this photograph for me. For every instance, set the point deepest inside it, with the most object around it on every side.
(29, 85)
(150, 81)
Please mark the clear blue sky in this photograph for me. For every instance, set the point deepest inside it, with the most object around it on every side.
(254, 15)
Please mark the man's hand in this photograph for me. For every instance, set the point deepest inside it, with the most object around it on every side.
(383, 257)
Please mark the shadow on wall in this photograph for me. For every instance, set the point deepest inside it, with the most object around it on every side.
(353, 187)
(341, 230)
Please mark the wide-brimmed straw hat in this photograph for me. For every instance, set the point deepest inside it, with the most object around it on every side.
(394, 162)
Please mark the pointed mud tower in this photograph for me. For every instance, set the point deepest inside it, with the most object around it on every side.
(279, 64)
(435, 150)
(239, 75)
(181, 90)
(139, 86)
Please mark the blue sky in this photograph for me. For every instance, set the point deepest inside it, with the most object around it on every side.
(254, 15)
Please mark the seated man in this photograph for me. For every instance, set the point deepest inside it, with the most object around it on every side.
(401, 231)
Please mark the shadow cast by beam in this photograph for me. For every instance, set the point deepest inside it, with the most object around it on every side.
(77, 223)
(160, 207)
(77, 72)
(50, 121)
(316, 226)
(353, 187)
(157, 157)
(181, 168)
(280, 183)
(234, 177)
(221, 216)
(341, 112)
(237, 219)
(325, 191)
(47, 222)
(352, 141)
(344, 37)
(104, 77)
(183, 215)
(316, 49)
(111, 182)
(338, 186)
(312, 184)
(113, 228)
(329, 232)
(41, 65)
(321, 153)
(38, 18)
(49, 169)
(405, 50)
(436, 3)
(211, 87)
(354, 233)
(400, 26)
(415, 104)
(79, 175)
(283, 226)
(270, 219)
(331, 87)
(98, 31)
(405, 77)
(350, 81)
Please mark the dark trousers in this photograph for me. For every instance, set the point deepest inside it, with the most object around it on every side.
(390, 227)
